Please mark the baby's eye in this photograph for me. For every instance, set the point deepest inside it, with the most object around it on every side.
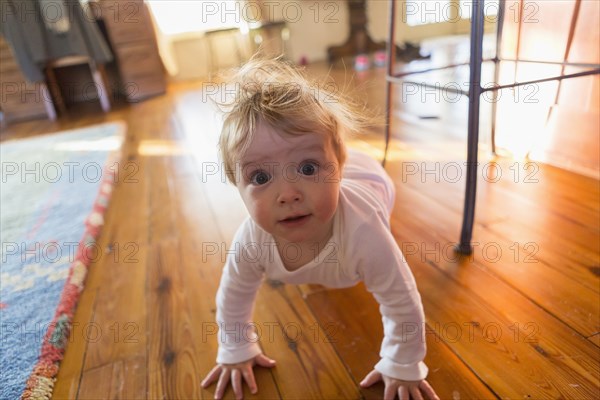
(309, 168)
(260, 178)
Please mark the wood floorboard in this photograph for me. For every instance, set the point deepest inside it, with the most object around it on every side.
(308, 366)
(122, 280)
(527, 324)
(496, 206)
(111, 334)
(123, 379)
(201, 268)
(71, 367)
(123, 272)
(538, 193)
(517, 227)
(173, 368)
(534, 279)
(512, 369)
(353, 323)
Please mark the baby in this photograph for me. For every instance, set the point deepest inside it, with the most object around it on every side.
(282, 146)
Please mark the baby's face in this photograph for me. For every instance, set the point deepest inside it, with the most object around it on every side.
(290, 185)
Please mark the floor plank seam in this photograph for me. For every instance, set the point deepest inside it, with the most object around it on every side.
(147, 293)
(82, 370)
(593, 334)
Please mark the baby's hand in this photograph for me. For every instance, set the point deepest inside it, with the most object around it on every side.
(235, 372)
(405, 389)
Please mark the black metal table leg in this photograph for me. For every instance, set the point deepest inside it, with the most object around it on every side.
(475, 90)
(391, 57)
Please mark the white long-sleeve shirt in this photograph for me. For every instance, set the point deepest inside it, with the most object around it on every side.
(361, 248)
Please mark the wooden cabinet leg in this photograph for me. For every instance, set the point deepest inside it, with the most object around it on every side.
(103, 94)
(55, 92)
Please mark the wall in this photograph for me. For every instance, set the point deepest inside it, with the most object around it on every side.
(314, 26)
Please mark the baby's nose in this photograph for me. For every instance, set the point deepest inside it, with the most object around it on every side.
(289, 193)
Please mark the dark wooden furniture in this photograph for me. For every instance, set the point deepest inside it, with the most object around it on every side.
(358, 41)
(139, 70)
(103, 90)
(131, 35)
(21, 99)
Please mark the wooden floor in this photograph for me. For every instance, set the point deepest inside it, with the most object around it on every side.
(519, 319)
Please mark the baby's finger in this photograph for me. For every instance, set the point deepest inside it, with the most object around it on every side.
(390, 392)
(403, 393)
(249, 378)
(371, 378)
(236, 382)
(415, 393)
(264, 361)
(222, 384)
(428, 390)
(211, 376)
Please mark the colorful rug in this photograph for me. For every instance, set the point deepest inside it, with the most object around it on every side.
(55, 189)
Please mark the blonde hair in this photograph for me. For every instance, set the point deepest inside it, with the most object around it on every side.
(274, 92)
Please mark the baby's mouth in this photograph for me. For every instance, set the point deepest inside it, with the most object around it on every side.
(296, 218)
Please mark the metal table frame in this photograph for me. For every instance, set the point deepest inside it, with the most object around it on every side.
(474, 94)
